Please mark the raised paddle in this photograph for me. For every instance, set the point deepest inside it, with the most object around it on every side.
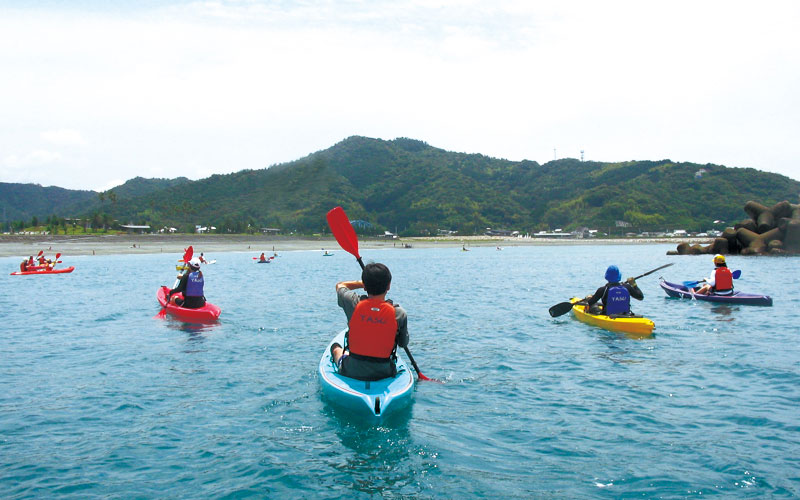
(346, 237)
(345, 234)
(564, 307)
(55, 261)
(691, 284)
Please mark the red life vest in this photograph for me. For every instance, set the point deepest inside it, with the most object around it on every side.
(723, 279)
(373, 329)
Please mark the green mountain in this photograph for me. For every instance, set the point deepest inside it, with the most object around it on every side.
(410, 186)
(24, 201)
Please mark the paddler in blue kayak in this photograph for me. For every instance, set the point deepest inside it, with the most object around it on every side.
(721, 280)
(614, 295)
(191, 286)
(376, 326)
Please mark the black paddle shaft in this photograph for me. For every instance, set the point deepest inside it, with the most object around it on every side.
(654, 270)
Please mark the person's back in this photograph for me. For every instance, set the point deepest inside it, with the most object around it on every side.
(376, 327)
(614, 296)
(721, 280)
(191, 286)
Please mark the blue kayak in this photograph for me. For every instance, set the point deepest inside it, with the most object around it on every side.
(372, 400)
(680, 291)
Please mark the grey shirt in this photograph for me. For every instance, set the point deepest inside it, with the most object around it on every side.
(348, 299)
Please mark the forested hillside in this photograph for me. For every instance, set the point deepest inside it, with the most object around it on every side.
(415, 188)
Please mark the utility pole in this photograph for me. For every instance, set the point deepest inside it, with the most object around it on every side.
(554, 154)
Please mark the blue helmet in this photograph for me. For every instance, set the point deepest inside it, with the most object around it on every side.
(612, 274)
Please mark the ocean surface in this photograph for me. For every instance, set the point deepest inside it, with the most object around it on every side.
(99, 399)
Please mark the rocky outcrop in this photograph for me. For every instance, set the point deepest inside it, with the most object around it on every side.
(768, 231)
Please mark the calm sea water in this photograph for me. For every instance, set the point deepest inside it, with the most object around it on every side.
(100, 400)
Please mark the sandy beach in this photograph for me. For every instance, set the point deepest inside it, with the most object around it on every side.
(25, 245)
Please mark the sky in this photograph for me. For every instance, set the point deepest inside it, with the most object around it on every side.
(93, 93)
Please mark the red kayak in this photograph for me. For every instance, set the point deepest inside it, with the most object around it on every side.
(45, 271)
(208, 312)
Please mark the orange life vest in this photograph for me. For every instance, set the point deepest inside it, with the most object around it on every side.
(373, 329)
(723, 279)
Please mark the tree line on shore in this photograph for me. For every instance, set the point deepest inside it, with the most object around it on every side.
(409, 187)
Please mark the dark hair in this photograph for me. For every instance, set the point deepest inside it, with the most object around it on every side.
(376, 278)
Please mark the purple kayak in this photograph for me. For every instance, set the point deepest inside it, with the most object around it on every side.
(682, 292)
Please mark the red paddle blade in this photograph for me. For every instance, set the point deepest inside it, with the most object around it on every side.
(343, 231)
(58, 256)
(187, 256)
(40, 253)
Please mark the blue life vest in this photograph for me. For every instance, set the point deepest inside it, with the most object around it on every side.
(618, 300)
(194, 285)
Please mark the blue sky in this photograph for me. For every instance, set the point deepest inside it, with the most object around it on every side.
(94, 93)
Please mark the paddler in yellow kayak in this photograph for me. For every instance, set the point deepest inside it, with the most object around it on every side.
(614, 296)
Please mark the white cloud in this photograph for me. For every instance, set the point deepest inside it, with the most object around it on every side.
(64, 137)
(219, 86)
(32, 159)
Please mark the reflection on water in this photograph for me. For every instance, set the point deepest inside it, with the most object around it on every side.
(376, 459)
(724, 310)
(196, 331)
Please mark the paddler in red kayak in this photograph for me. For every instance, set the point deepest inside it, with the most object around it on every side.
(721, 280)
(377, 326)
(191, 286)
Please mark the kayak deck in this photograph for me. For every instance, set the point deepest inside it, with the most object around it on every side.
(208, 312)
(680, 291)
(636, 325)
(373, 400)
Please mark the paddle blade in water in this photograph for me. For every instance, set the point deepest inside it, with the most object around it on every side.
(343, 231)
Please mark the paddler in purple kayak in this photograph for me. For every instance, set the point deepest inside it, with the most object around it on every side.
(721, 280)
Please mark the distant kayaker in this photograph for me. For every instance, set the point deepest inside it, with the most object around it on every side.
(191, 286)
(614, 295)
(721, 280)
(202, 259)
(377, 326)
(263, 257)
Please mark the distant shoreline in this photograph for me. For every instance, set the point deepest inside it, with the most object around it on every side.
(25, 245)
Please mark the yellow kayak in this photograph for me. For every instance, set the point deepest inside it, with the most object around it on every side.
(637, 326)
